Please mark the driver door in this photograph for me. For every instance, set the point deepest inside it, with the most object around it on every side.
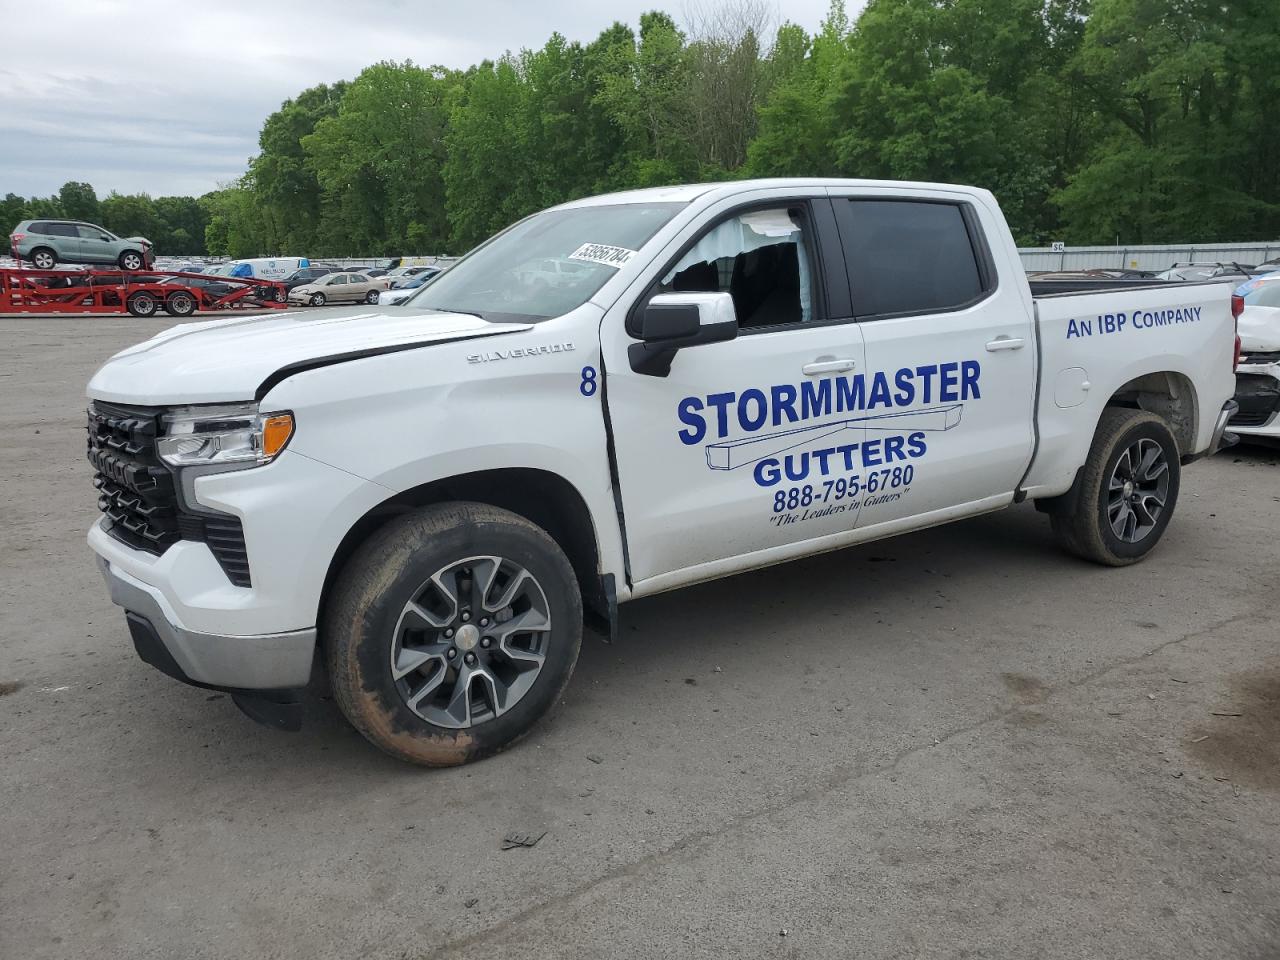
(739, 451)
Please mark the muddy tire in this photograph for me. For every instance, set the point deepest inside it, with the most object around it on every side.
(451, 632)
(1127, 490)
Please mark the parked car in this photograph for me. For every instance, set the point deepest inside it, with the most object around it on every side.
(404, 273)
(552, 272)
(1208, 270)
(400, 292)
(47, 243)
(415, 278)
(433, 499)
(307, 275)
(339, 288)
(1258, 376)
(262, 268)
(374, 272)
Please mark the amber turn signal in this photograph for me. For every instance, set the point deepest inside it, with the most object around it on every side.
(276, 431)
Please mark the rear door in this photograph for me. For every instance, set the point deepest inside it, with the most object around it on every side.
(65, 239)
(949, 385)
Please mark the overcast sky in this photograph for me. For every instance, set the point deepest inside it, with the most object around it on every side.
(138, 98)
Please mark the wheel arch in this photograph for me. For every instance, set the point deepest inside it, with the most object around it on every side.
(540, 496)
(1169, 395)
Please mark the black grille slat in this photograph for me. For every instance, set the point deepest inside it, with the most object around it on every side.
(136, 491)
(225, 537)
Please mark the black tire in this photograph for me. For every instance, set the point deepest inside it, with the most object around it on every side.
(142, 304)
(280, 295)
(180, 303)
(1084, 527)
(363, 616)
(131, 260)
(318, 299)
(42, 258)
(371, 297)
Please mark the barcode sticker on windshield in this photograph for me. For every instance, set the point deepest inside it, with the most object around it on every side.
(602, 253)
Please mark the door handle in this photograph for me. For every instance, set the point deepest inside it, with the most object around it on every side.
(827, 365)
(1005, 343)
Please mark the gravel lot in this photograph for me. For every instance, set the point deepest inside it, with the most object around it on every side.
(959, 743)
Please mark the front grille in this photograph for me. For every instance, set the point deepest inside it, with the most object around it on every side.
(137, 495)
(135, 490)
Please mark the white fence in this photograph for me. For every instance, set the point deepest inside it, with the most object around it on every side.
(1153, 257)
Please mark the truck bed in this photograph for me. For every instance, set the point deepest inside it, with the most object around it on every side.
(1062, 288)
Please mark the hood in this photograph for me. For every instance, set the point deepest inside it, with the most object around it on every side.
(143, 240)
(229, 359)
(1259, 329)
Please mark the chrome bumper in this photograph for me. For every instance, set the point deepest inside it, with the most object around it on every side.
(272, 661)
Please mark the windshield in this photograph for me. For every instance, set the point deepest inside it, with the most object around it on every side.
(546, 265)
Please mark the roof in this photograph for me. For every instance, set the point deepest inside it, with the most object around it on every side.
(685, 193)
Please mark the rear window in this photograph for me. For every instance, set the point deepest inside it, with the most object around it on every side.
(910, 256)
(38, 227)
(1265, 294)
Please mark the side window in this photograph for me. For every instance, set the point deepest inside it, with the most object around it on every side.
(89, 233)
(62, 230)
(909, 256)
(758, 257)
(336, 279)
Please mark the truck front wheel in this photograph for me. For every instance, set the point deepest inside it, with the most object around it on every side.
(1127, 490)
(451, 631)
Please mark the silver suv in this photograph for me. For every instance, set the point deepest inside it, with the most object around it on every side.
(46, 243)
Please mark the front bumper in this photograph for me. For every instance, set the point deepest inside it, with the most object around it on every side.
(268, 662)
(1258, 394)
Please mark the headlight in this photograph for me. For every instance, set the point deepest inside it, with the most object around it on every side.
(230, 434)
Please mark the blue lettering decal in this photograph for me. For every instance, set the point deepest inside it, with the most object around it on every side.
(687, 412)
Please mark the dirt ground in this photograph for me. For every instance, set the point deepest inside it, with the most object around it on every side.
(959, 743)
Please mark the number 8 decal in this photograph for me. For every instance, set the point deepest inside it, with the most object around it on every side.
(588, 385)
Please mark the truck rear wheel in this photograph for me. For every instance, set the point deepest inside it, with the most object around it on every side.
(451, 631)
(1127, 492)
(142, 304)
(180, 304)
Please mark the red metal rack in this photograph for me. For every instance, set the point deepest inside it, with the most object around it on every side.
(137, 292)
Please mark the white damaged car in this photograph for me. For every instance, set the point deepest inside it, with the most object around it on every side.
(1258, 376)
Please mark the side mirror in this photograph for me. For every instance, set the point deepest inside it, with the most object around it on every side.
(672, 321)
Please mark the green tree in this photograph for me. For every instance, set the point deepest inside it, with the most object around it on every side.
(13, 210)
(379, 160)
(796, 129)
(181, 225)
(285, 183)
(79, 202)
(950, 90)
(132, 215)
(1175, 84)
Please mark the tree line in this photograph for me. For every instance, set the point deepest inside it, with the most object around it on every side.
(1093, 121)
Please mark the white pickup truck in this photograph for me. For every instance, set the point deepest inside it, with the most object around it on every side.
(436, 497)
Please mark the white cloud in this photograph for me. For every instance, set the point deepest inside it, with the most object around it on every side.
(171, 100)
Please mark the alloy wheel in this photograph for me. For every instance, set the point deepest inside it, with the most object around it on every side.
(470, 642)
(1138, 490)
